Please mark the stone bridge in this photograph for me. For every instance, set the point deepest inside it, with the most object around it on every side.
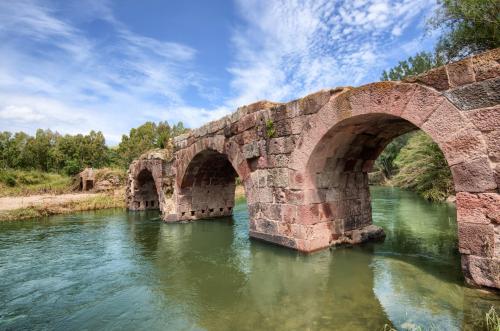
(304, 163)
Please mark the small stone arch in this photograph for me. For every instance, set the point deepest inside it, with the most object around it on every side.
(145, 189)
(205, 178)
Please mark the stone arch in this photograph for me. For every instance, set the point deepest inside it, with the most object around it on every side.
(206, 175)
(145, 185)
(340, 144)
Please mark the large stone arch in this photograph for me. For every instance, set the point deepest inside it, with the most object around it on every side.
(205, 178)
(340, 143)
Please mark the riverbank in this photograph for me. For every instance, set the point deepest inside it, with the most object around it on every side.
(36, 206)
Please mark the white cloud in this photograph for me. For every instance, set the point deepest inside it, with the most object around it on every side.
(54, 75)
(287, 49)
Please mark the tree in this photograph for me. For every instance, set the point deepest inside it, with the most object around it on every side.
(414, 65)
(468, 27)
(385, 161)
(423, 168)
(146, 137)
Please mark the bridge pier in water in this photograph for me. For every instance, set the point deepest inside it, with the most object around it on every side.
(304, 163)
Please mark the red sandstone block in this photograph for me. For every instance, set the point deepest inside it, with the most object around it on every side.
(297, 124)
(263, 195)
(443, 123)
(278, 160)
(266, 226)
(436, 78)
(308, 214)
(478, 208)
(493, 143)
(421, 105)
(277, 177)
(487, 65)
(476, 239)
(481, 271)
(461, 73)
(271, 211)
(243, 170)
(288, 213)
(295, 197)
(246, 122)
(314, 195)
(313, 102)
(473, 176)
(282, 145)
(486, 119)
(464, 145)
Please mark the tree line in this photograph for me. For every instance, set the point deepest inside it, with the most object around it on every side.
(50, 151)
(413, 160)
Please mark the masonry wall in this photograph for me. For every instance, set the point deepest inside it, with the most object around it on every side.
(304, 164)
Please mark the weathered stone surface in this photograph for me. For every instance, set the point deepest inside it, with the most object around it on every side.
(473, 176)
(436, 78)
(483, 208)
(476, 239)
(487, 65)
(487, 119)
(304, 164)
(481, 271)
(461, 73)
(478, 95)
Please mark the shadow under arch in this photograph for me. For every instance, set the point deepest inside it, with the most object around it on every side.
(146, 195)
(207, 188)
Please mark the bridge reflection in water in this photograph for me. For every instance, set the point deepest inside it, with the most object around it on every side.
(117, 270)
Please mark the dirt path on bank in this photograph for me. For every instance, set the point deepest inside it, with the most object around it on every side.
(11, 203)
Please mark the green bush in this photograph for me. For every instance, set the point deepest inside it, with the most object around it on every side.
(423, 168)
(10, 181)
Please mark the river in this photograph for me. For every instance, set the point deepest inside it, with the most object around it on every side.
(115, 270)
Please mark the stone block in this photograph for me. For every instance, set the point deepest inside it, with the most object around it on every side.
(461, 73)
(476, 239)
(487, 64)
(487, 119)
(282, 145)
(251, 150)
(481, 271)
(478, 95)
(443, 123)
(313, 102)
(308, 214)
(277, 177)
(493, 142)
(246, 122)
(436, 78)
(464, 145)
(422, 104)
(483, 208)
(288, 213)
(473, 176)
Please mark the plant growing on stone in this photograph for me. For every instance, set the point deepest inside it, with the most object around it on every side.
(270, 130)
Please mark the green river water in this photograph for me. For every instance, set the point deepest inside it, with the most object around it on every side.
(115, 270)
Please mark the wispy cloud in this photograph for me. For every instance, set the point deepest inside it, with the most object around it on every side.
(55, 74)
(289, 48)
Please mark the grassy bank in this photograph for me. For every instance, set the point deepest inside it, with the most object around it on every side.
(101, 201)
(24, 183)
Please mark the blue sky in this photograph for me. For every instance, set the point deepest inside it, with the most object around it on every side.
(73, 66)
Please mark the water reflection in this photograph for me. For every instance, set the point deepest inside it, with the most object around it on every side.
(127, 271)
